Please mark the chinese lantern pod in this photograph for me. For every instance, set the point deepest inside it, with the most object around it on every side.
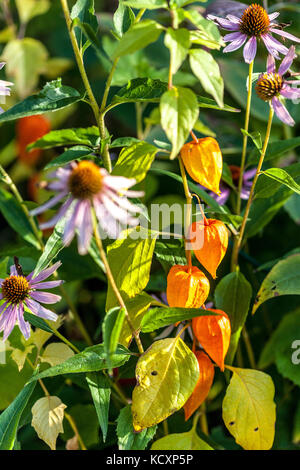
(187, 287)
(213, 332)
(29, 129)
(203, 162)
(209, 241)
(206, 377)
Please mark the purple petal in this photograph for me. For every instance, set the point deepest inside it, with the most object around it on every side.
(85, 230)
(45, 297)
(287, 61)
(23, 325)
(39, 310)
(282, 113)
(271, 65)
(106, 221)
(236, 44)
(62, 211)
(46, 285)
(245, 193)
(70, 227)
(222, 199)
(274, 46)
(13, 271)
(11, 319)
(250, 50)
(4, 314)
(232, 36)
(249, 174)
(234, 19)
(290, 93)
(124, 203)
(225, 24)
(285, 34)
(46, 272)
(52, 202)
(274, 15)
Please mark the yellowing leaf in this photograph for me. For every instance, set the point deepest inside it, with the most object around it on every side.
(47, 419)
(39, 337)
(181, 441)
(56, 353)
(249, 410)
(30, 8)
(166, 377)
(136, 308)
(19, 356)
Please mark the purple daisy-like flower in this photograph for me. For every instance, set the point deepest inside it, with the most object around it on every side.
(4, 86)
(252, 25)
(19, 291)
(90, 187)
(272, 85)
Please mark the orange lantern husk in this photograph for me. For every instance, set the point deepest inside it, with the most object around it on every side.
(28, 130)
(213, 332)
(204, 162)
(203, 386)
(187, 287)
(209, 241)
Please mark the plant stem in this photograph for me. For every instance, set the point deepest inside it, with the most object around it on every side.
(249, 348)
(74, 427)
(80, 63)
(189, 200)
(245, 138)
(60, 336)
(239, 239)
(113, 284)
(203, 419)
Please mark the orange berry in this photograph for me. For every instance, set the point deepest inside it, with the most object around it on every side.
(187, 287)
(28, 130)
(206, 377)
(213, 332)
(204, 162)
(209, 241)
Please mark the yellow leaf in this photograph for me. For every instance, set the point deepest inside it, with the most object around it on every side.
(136, 308)
(166, 377)
(19, 356)
(47, 419)
(249, 410)
(56, 353)
(181, 441)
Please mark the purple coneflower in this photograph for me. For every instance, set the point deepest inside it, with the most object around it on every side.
(4, 86)
(271, 86)
(91, 187)
(19, 291)
(254, 24)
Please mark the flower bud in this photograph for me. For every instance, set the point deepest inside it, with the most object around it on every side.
(187, 287)
(209, 241)
(203, 162)
(206, 377)
(213, 332)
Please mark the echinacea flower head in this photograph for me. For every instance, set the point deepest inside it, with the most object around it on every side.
(87, 188)
(4, 86)
(272, 86)
(254, 24)
(19, 291)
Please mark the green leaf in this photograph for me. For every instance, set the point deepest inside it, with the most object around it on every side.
(124, 142)
(37, 322)
(249, 409)
(100, 390)
(53, 246)
(207, 33)
(130, 262)
(283, 279)
(157, 318)
(111, 331)
(178, 42)
(170, 252)
(207, 71)
(76, 153)
(28, 9)
(84, 10)
(16, 218)
(53, 96)
(179, 112)
(92, 359)
(275, 149)
(287, 362)
(135, 161)
(138, 37)
(181, 441)
(128, 439)
(255, 137)
(26, 60)
(123, 19)
(233, 295)
(9, 419)
(64, 137)
(280, 175)
(149, 4)
(292, 207)
(281, 339)
(157, 395)
(136, 309)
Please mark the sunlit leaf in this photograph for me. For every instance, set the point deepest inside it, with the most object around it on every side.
(47, 419)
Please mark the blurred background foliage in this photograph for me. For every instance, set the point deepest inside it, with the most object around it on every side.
(35, 45)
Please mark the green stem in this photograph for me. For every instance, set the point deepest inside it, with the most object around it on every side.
(113, 284)
(245, 138)
(189, 200)
(203, 420)
(60, 336)
(239, 239)
(74, 427)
